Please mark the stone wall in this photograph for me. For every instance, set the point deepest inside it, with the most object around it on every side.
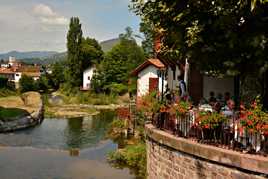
(28, 121)
(171, 157)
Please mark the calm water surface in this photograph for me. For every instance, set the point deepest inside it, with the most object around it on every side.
(43, 151)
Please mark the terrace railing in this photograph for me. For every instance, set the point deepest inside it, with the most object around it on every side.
(226, 135)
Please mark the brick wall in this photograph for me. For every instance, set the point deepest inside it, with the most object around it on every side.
(165, 163)
(171, 157)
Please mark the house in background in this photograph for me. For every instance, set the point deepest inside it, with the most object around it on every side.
(15, 69)
(87, 78)
(156, 75)
(154, 72)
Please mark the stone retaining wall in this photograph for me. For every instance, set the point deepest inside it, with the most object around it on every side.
(171, 157)
(31, 120)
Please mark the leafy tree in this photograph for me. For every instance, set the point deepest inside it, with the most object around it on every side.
(57, 75)
(43, 83)
(148, 41)
(27, 84)
(3, 82)
(119, 63)
(74, 70)
(220, 37)
(91, 52)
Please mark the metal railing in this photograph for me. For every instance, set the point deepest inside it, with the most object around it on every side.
(226, 135)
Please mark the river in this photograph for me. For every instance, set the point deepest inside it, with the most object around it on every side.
(43, 152)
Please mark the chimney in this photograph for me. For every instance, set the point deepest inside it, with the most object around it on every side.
(157, 44)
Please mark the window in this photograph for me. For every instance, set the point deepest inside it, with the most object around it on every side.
(174, 74)
(88, 77)
(17, 74)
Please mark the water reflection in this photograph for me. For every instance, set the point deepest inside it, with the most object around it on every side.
(31, 159)
(62, 133)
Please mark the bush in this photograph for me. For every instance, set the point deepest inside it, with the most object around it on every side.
(4, 92)
(3, 82)
(27, 84)
(116, 88)
(43, 83)
(133, 156)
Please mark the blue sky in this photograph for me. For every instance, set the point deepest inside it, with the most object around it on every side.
(29, 25)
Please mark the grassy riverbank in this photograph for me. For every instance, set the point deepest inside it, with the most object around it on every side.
(68, 105)
(16, 106)
(132, 153)
(10, 114)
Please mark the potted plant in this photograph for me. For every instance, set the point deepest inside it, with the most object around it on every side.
(210, 122)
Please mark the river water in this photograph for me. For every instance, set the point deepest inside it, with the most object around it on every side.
(43, 151)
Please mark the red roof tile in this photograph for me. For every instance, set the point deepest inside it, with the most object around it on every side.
(155, 62)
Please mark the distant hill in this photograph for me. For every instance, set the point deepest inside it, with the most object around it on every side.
(24, 55)
(109, 44)
(49, 57)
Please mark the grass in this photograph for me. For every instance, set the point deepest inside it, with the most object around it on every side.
(133, 156)
(68, 111)
(8, 114)
(4, 92)
(13, 106)
(79, 97)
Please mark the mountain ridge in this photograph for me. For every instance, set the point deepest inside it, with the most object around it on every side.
(48, 57)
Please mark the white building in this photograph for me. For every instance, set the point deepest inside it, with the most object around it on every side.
(87, 77)
(153, 73)
(149, 77)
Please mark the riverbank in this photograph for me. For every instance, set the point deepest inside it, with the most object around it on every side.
(20, 112)
(132, 150)
(60, 105)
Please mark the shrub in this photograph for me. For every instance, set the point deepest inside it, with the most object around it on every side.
(133, 156)
(3, 82)
(27, 84)
(116, 88)
(210, 120)
(254, 119)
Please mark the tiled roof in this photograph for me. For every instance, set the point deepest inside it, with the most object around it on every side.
(7, 71)
(155, 62)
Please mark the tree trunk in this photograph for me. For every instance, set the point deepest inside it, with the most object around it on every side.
(265, 90)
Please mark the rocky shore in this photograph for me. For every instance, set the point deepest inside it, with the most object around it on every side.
(35, 116)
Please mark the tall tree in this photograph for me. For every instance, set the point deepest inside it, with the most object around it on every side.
(119, 62)
(74, 70)
(220, 37)
(91, 52)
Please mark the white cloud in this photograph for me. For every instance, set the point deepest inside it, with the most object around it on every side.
(48, 16)
(43, 10)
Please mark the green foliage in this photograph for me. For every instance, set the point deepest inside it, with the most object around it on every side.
(150, 104)
(27, 84)
(116, 88)
(118, 63)
(210, 120)
(57, 75)
(7, 114)
(218, 36)
(148, 41)
(4, 92)
(91, 52)
(74, 95)
(3, 82)
(74, 72)
(133, 156)
(43, 84)
(117, 123)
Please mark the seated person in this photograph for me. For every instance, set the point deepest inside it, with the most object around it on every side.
(228, 110)
(212, 100)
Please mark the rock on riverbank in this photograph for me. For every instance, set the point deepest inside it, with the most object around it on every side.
(32, 103)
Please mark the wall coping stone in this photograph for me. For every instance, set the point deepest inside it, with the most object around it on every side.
(253, 163)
